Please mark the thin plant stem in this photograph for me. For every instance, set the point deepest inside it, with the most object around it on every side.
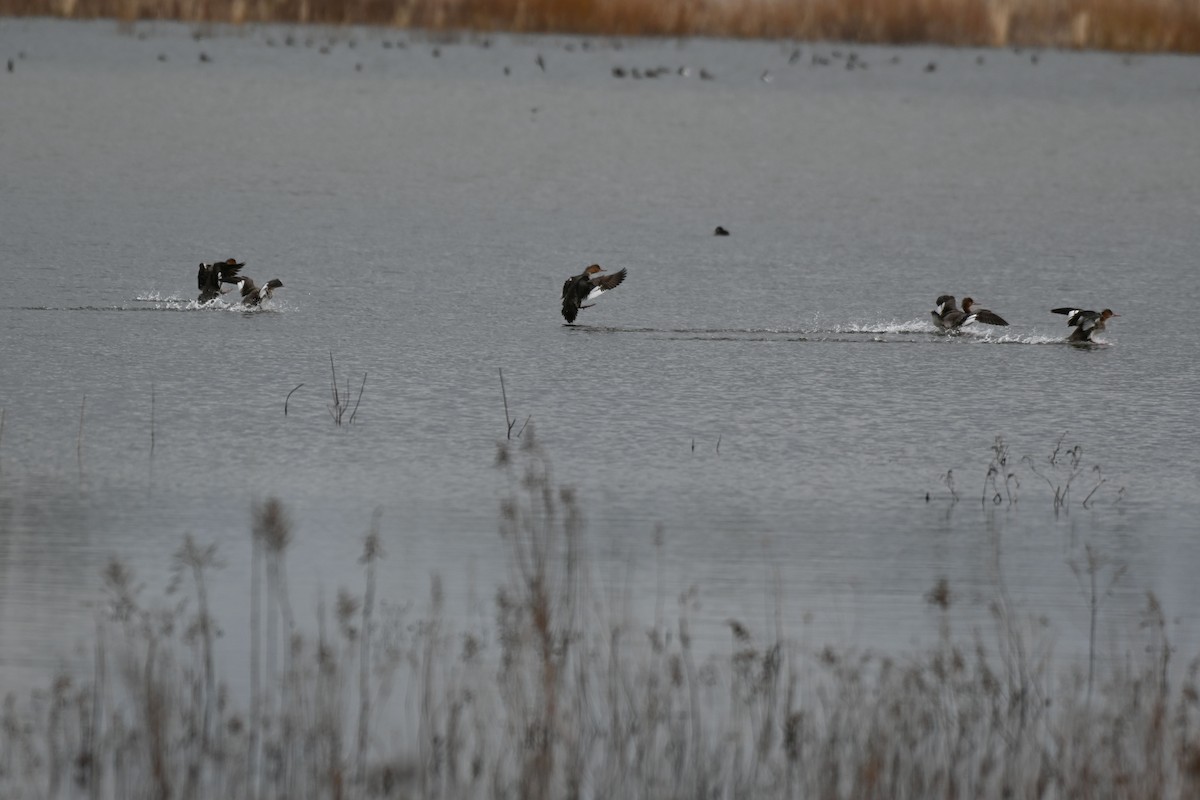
(507, 421)
(255, 647)
(372, 552)
(289, 396)
(359, 400)
(79, 439)
(152, 421)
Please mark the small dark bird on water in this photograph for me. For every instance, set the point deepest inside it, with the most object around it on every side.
(211, 276)
(1084, 322)
(541, 62)
(720, 231)
(253, 295)
(580, 288)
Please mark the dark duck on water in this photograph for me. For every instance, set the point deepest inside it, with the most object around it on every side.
(211, 276)
(587, 285)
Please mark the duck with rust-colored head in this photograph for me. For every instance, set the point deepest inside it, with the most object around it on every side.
(587, 285)
(1084, 322)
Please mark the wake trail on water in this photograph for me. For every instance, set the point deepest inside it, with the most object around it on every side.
(881, 332)
(155, 301)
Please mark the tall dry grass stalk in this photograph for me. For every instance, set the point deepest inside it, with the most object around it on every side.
(1128, 25)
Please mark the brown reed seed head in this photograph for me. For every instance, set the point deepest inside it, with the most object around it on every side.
(272, 526)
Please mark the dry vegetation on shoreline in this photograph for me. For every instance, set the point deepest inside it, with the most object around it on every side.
(1125, 25)
(563, 698)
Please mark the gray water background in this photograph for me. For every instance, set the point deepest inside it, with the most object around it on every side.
(423, 211)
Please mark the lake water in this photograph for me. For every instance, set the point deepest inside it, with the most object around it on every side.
(776, 400)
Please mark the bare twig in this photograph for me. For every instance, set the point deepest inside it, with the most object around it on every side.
(372, 552)
(79, 439)
(336, 409)
(1057, 448)
(289, 397)
(508, 422)
(152, 421)
(948, 479)
(1100, 482)
(523, 426)
(1094, 564)
(359, 400)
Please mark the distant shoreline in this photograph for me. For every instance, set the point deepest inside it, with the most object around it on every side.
(1142, 26)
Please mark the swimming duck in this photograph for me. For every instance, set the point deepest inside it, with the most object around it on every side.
(253, 295)
(580, 288)
(1084, 322)
(947, 316)
(211, 276)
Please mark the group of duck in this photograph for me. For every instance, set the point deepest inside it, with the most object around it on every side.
(588, 285)
(213, 277)
(1083, 323)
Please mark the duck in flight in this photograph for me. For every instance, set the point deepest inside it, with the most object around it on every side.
(253, 295)
(211, 276)
(577, 290)
(1084, 322)
(947, 316)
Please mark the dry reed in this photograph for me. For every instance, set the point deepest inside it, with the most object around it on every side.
(566, 698)
(1125, 25)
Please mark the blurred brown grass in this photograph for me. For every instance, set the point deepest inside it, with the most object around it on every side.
(569, 694)
(1127, 25)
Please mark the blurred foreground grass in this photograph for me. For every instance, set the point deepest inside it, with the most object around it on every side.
(566, 696)
(1127, 25)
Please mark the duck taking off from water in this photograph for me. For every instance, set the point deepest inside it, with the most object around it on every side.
(253, 295)
(211, 276)
(947, 316)
(1084, 322)
(577, 290)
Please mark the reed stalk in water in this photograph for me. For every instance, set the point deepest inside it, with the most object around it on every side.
(508, 423)
(79, 438)
(289, 396)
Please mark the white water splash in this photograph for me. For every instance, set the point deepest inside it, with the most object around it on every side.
(892, 326)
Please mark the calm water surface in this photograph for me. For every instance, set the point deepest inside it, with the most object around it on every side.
(423, 212)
